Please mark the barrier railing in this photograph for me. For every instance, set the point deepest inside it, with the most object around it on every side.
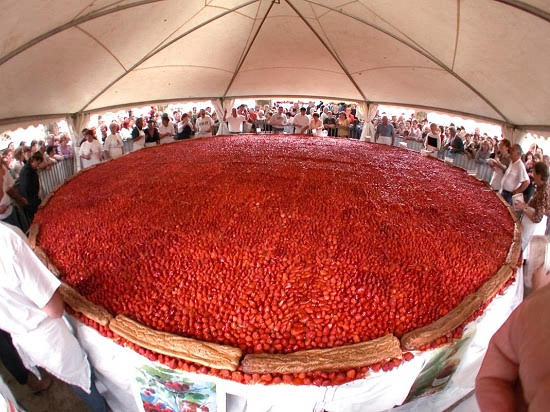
(57, 174)
(481, 169)
(62, 170)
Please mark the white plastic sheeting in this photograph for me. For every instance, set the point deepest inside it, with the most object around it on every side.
(487, 58)
(115, 370)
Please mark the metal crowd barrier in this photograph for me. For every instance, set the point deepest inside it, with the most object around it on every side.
(51, 178)
(63, 169)
(481, 169)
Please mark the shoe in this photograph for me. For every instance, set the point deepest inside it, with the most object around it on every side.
(39, 385)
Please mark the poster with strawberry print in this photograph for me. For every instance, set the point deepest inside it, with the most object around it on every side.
(165, 390)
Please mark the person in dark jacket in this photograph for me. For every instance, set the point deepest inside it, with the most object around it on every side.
(29, 185)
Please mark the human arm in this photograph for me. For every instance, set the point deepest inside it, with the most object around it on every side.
(55, 306)
(85, 151)
(521, 187)
(15, 195)
(538, 206)
(516, 370)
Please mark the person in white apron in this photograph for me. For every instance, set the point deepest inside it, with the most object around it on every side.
(533, 221)
(113, 144)
(138, 136)
(385, 133)
(30, 310)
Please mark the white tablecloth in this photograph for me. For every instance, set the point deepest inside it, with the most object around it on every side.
(116, 366)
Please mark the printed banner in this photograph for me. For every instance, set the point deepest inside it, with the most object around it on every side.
(165, 390)
(437, 372)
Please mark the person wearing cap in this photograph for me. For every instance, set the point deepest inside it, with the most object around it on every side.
(301, 122)
(166, 129)
(152, 136)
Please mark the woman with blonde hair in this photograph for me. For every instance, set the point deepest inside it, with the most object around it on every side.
(342, 124)
(113, 143)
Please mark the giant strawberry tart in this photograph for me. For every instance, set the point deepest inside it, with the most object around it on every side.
(277, 258)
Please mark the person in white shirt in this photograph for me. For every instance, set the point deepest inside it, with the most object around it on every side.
(166, 129)
(278, 120)
(203, 124)
(31, 310)
(515, 179)
(113, 143)
(316, 125)
(91, 151)
(235, 121)
(301, 122)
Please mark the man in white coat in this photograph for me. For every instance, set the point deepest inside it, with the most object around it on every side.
(31, 309)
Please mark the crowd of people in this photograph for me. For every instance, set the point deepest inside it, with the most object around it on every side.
(521, 178)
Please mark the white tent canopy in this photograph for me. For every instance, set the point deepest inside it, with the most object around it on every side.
(485, 58)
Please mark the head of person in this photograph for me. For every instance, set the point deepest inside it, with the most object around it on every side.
(103, 130)
(113, 127)
(485, 146)
(540, 173)
(434, 129)
(342, 115)
(185, 117)
(151, 123)
(234, 112)
(18, 154)
(35, 160)
(516, 152)
(177, 116)
(504, 146)
(452, 131)
(42, 146)
(280, 109)
(50, 151)
(316, 116)
(63, 140)
(165, 119)
(329, 114)
(202, 113)
(384, 120)
(303, 111)
(89, 135)
(139, 123)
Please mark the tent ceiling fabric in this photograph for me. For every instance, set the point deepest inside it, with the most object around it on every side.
(487, 58)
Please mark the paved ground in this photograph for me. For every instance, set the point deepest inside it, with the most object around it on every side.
(58, 398)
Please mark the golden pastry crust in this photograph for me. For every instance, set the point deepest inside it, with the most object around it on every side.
(33, 234)
(331, 359)
(447, 323)
(80, 304)
(208, 354)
